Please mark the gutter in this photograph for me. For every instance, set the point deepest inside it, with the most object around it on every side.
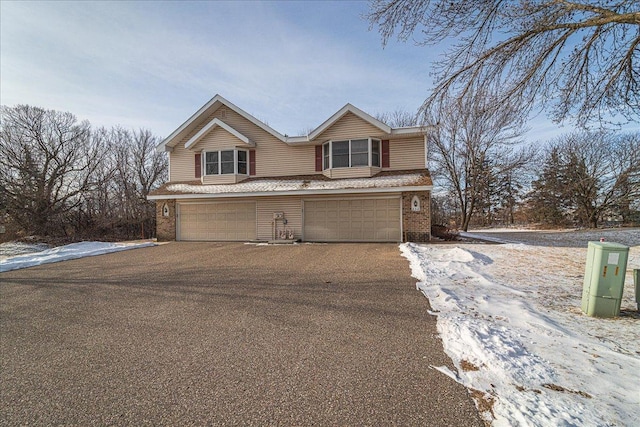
(290, 193)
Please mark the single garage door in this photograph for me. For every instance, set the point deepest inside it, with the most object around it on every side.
(352, 220)
(217, 221)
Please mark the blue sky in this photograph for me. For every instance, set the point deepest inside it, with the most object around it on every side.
(153, 64)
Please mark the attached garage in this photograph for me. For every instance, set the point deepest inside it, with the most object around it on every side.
(353, 220)
(217, 221)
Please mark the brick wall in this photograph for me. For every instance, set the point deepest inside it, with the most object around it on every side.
(416, 226)
(165, 225)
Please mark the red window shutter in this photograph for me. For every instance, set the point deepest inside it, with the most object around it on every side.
(318, 158)
(198, 165)
(252, 162)
(385, 153)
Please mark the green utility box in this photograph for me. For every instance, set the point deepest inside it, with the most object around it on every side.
(636, 281)
(604, 279)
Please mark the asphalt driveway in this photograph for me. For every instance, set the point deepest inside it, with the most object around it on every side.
(224, 334)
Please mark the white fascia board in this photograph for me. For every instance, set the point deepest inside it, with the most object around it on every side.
(344, 110)
(293, 193)
(410, 130)
(297, 140)
(212, 125)
(164, 144)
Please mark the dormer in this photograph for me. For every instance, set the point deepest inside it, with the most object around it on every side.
(222, 154)
(359, 157)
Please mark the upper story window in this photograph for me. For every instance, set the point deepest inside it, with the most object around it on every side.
(351, 153)
(225, 162)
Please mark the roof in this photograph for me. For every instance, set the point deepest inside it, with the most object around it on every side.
(217, 101)
(416, 180)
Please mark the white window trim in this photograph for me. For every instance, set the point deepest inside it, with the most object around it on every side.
(235, 162)
(369, 153)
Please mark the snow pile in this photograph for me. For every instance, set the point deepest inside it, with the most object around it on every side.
(510, 319)
(18, 248)
(62, 253)
(573, 238)
(271, 185)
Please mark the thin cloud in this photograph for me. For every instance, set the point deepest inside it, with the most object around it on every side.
(155, 63)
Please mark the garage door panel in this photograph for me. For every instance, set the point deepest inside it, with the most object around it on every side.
(352, 220)
(218, 221)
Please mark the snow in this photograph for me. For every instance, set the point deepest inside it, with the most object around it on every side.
(272, 185)
(61, 253)
(510, 319)
(574, 238)
(18, 248)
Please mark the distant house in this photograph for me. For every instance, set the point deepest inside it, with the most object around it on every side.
(352, 179)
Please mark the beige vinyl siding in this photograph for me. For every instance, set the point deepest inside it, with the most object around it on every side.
(218, 139)
(357, 172)
(349, 126)
(276, 158)
(406, 154)
(273, 157)
(182, 164)
(290, 206)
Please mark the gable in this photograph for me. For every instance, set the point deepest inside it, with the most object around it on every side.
(213, 128)
(349, 126)
(234, 124)
(216, 107)
(218, 139)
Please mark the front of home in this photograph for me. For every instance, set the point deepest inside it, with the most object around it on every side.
(352, 179)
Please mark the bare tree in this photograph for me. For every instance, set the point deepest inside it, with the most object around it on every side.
(597, 175)
(58, 177)
(47, 161)
(139, 169)
(132, 168)
(467, 138)
(398, 118)
(580, 58)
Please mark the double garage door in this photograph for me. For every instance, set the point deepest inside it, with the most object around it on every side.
(352, 220)
(330, 220)
(217, 221)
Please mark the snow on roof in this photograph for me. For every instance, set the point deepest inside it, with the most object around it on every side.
(278, 185)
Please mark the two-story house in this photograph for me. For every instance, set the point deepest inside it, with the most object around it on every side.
(234, 178)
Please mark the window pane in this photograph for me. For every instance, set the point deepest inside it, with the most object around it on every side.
(226, 163)
(359, 146)
(340, 147)
(211, 163)
(227, 167)
(360, 159)
(375, 152)
(242, 162)
(340, 154)
(360, 152)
